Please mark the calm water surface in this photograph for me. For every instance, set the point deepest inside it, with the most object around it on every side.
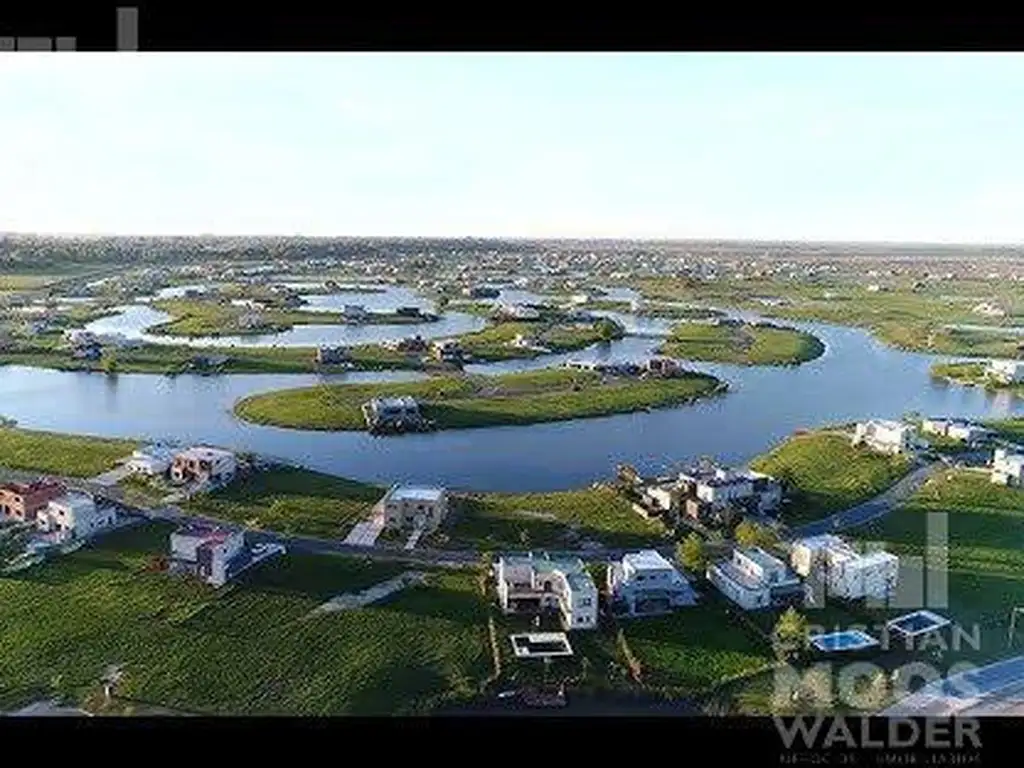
(857, 377)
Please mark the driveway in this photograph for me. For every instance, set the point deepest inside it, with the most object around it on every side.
(872, 509)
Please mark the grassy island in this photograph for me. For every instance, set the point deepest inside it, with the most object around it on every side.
(823, 473)
(744, 344)
(460, 402)
(199, 317)
(498, 342)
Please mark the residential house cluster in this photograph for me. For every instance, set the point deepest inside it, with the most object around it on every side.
(54, 509)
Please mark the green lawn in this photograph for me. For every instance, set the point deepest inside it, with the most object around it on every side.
(199, 317)
(823, 473)
(60, 454)
(460, 402)
(745, 344)
(246, 649)
(495, 342)
(562, 519)
(293, 501)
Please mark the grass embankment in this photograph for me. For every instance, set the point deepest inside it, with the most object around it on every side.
(972, 375)
(672, 312)
(245, 650)
(292, 501)
(910, 315)
(172, 359)
(462, 402)
(743, 344)
(565, 519)
(496, 342)
(985, 555)
(26, 282)
(823, 473)
(195, 318)
(59, 454)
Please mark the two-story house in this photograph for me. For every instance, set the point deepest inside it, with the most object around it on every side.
(202, 464)
(646, 584)
(23, 501)
(210, 553)
(538, 583)
(411, 507)
(1007, 468)
(885, 436)
(835, 569)
(75, 515)
(755, 579)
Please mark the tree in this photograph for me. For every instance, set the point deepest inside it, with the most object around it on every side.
(110, 362)
(751, 534)
(608, 329)
(692, 553)
(789, 638)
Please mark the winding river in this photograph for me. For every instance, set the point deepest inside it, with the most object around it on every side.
(857, 377)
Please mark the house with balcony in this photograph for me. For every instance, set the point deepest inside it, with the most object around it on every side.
(754, 579)
(1007, 468)
(647, 584)
(23, 501)
(709, 491)
(885, 436)
(414, 507)
(204, 465)
(75, 515)
(833, 568)
(534, 584)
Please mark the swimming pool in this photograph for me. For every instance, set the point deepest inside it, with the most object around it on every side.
(850, 640)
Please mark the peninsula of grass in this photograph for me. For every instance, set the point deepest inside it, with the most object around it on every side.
(971, 374)
(823, 473)
(742, 344)
(204, 318)
(559, 520)
(674, 312)
(60, 454)
(247, 649)
(497, 342)
(292, 501)
(463, 402)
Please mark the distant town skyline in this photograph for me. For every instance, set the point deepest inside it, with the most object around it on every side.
(755, 147)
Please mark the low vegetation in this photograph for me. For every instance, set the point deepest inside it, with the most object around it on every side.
(496, 342)
(823, 473)
(743, 344)
(60, 454)
(292, 501)
(249, 648)
(460, 402)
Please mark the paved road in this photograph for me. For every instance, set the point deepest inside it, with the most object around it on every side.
(872, 509)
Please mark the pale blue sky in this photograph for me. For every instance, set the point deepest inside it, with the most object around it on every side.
(828, 147)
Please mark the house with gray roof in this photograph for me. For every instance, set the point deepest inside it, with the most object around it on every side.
(532, 583)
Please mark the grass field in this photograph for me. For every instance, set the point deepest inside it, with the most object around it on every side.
(557, 520)
(246, 649)
(60, 454)
(745, 344)
(460, 402)
(293, 501)
(192, 317)
(823, 474)
(26, 282)
(495, 342)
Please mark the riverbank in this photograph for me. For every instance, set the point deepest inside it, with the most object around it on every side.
(499, 341)
(60, 454)
(745, 344)
(972, 374)
(195, 318)
(464, 402)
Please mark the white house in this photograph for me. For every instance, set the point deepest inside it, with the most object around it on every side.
(203, 464)
(963, 431)
(1007, 468)
(534, 584)
(414, 507)
(518, 312)
(718, 487)
(646, 584)
(75, 515)
(885, 436)
(152, 461)
(835, 569)
(212, 554)
(754, 579)
(1005, 371)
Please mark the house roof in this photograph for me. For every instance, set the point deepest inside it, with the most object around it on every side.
(762, 558)
(403, 402)
(208, 533)
(205, 453)
(647, 560)
(417, 493)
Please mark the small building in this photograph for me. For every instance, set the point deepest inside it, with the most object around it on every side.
(410, 345)
(517, 312)
(955, 429)
(1005, 371)
(331, 355)
(75, 515)
(414, 507)
(152, 461)
(207, 552)
(446, 350)
(884, 436)
(712, 489)
(1007, 468)
(647, 584)
(23, 501)
(663, 366)
(535, 584)
(392, 412)
(830, 563)
(203, 464)
(755, 579)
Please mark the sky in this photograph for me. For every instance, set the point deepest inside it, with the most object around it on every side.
(740, 146)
